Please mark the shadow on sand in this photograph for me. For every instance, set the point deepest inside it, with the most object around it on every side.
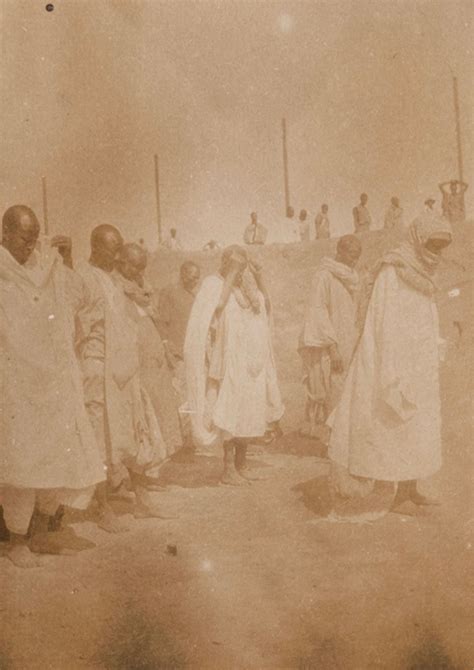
(318, 497)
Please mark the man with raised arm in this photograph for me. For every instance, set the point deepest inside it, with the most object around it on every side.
(233, 393)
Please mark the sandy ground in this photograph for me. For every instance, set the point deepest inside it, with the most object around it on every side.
(260, 578)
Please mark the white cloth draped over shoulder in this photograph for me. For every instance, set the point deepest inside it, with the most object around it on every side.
(46, 440)
(247, 398)
(387, 424)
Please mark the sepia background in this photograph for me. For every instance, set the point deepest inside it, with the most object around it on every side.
(91, 90)
(258, 578)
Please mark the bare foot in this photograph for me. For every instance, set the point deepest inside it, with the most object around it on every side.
(122, 493)
(21, 556)
(150, 512)
(233, 478)
(247, 473)
(109, 522)
(52, 543)
(408, 508)
(420, 499)
(74, 541)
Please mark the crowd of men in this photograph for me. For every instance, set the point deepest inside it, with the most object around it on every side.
(80, 427)
(452, 206)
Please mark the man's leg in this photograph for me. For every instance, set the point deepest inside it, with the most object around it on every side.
(107, 519)
(402, 495)
(18, 506)
(417, 497)
(241, 464)
(4, 534)
(230, 476)
(45, 539)
(146, 506)
(42, 541)
(94, 396)
(409, 501)
(179, 384)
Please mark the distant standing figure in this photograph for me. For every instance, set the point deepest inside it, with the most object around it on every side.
(303, 226)
(290, 232)
(362, 218)
(429, 205)
(453, 200)
(321, 224)
(173, 243)
(255, 233)
(394, 215)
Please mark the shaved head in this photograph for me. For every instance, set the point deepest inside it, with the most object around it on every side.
(131, 262)
(190, 274)
(104, 232)
(20, 232)
(106, 243)
(349, 249)
(133, 252)
(19, 216)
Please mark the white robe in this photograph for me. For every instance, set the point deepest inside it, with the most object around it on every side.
(46, 440)
(127, 428)
(248, 397)
(387, 424)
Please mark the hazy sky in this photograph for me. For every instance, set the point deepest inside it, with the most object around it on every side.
(91, 90)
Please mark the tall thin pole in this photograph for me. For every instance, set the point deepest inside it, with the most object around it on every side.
(458, 128)
(285, 165)
(158, 207)
(45, 206)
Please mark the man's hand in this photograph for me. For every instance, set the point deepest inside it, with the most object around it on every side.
(257, 271)
(64, 246)
(236, 266)
(336, 360)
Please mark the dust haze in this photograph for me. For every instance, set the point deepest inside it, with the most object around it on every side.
(92, 90)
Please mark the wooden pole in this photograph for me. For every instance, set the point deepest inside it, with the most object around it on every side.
(285, 165)
(458, 128)
(45, 207)
(158, 207)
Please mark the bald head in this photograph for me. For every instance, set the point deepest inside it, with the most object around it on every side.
(20, 232)
(190, 274)
(106, 242)
(349, 250)
(131, 262)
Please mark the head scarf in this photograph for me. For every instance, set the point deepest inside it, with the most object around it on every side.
(246, 293)
(413, 262)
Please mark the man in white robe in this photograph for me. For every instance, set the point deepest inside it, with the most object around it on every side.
(129, 275)
(233, 393)
(329, 335)
(112, 389)
(48, 454)
(387, 424)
